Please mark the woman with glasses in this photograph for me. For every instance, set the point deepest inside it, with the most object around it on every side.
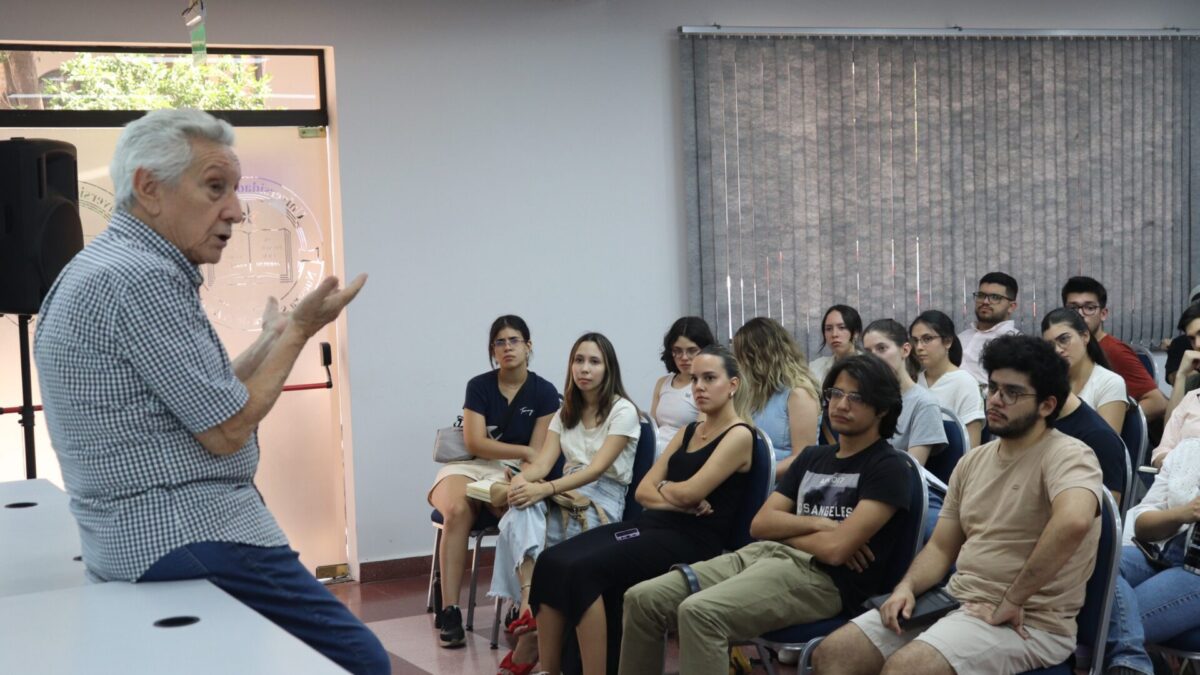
(596, 432)
(1091, 380)
(841, 329)
(940, 354)
(691, 497)
(505, 418)
(672, 406)
(919, 431)
(782, 396)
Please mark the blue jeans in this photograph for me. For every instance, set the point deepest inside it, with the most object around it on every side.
(272, 582)
(931, 514)
(1150, 606)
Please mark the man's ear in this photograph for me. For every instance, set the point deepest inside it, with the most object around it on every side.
(1047, 406)
(147, 191)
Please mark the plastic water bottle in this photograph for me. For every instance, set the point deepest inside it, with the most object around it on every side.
(1191, 557)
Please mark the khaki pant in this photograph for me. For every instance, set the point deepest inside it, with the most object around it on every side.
(758, 588)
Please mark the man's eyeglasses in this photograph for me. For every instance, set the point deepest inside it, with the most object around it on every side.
(501, 343)
(1086, 309)
(1008, 395)
(833, 396)
(690, 352)
(990, 298)
(926, 340)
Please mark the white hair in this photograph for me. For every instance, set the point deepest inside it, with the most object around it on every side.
(160, 142)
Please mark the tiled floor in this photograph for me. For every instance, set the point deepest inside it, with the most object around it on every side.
(395, 610)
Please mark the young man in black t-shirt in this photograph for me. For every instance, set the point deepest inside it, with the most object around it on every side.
(828, 532)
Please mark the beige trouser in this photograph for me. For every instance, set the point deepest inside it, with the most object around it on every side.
(758, 588)
(973, 646)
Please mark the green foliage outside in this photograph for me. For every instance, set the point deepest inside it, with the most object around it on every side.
(150, 82)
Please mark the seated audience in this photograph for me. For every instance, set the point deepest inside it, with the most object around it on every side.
(841, 329)
(919, 431)
(1020, 529)
(827, 534)
(1156, 600)
(672, 406)
(1088, 297)
(1186, 373)
(781, 394)
(691, 496)
(490, 396)
(995, 302)
(1091, 380)
(1179, 344)
(596, 432)
(939, 353)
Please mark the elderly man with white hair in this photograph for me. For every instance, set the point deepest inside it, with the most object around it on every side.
(154, 426)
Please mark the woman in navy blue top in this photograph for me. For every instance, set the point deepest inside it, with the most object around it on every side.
(489, 397)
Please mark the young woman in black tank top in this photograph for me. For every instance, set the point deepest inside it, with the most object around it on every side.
(690, 496)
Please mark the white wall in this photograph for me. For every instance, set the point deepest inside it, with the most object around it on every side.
(515, 156)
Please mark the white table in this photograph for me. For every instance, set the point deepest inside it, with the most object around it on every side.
(38, 544)
(109, 628)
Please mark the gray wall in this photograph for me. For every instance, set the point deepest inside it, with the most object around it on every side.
(514, 156)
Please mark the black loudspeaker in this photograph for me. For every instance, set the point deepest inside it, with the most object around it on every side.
(39, 219)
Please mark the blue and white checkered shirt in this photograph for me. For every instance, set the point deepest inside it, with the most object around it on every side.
(130, 370)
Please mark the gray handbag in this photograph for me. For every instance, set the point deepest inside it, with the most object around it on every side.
(450, 446)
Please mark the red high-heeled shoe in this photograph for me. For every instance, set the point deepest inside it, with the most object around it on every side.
(524, 624)
(510, 667)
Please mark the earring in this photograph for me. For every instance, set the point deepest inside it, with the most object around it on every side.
(731, 394)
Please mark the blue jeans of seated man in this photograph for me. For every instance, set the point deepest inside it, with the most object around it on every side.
(272, 582)
(1150, 606)
(931, 513)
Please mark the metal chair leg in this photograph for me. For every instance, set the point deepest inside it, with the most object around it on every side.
(764, 655)
(496, 623)
(435, 575)
(470, 623)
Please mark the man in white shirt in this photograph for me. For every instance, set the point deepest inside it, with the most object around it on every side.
(995, 302)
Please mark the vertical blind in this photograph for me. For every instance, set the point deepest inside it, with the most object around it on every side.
(891, 173)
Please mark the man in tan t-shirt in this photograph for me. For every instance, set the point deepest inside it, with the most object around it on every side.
(1020, 524)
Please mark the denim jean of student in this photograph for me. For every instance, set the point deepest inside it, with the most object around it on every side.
(935, 507)
(1150, 606)
(271, 581)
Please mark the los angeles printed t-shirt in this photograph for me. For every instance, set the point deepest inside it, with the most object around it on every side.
(824, 485)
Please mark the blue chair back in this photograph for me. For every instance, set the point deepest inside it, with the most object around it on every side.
(643, 459)
(759, 484)
(1135, 433)
(1147, 360)
(913, 528)
(942, 464)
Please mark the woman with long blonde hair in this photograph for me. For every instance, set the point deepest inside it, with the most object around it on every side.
(782, 395)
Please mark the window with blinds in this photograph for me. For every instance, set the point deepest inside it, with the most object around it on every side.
(890, 173)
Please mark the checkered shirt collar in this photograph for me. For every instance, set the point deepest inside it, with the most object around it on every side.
(130, 227)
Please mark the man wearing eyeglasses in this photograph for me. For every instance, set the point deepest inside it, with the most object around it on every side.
(828, 536)
(995, 302)
(1088, 297)
(1019, 528)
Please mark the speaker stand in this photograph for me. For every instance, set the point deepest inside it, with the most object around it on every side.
(27, 397)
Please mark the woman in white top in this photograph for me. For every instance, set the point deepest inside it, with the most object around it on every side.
(940, 353)
(1091, 380)
(672, 406)
(597, 432)
(841, 329)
